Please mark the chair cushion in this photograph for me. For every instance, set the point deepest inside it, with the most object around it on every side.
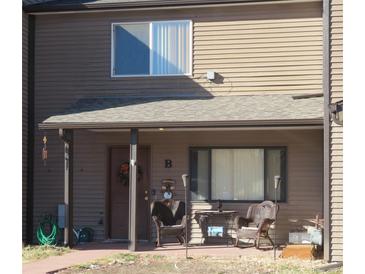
(163, 213)
(247, 232)
(169, 212)
(178, 210)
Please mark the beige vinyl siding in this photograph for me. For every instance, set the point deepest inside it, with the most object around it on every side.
(24, 121)
(254, 49)
(304, 169)
(265, 49)
(336, 133)
(305, 152)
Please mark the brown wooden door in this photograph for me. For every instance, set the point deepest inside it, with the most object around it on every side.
(119, 195)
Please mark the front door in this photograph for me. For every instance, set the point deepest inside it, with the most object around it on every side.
(119, 193)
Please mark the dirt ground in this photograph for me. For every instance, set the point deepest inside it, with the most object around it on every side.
(138, 264)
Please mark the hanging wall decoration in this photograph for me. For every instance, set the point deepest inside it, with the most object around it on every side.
(44, 151)
(124, 173)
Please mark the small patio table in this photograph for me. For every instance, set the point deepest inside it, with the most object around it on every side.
(207, 218)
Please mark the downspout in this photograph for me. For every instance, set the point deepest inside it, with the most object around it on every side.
(326, 132)
(30, 146)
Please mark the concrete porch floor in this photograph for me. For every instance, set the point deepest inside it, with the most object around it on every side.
(92, 251)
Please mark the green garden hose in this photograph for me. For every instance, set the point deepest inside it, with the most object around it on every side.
(47, 224)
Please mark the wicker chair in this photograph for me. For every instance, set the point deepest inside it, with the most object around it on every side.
(170, 220)
(257, 223)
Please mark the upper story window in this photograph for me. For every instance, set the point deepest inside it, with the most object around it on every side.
(151, 48)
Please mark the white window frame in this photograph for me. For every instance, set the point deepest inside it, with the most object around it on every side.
(189, 73)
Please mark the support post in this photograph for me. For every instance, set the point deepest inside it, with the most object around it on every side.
(132, 235)
(277, 181)
(326, 132)
(67, 137)
(186, 182)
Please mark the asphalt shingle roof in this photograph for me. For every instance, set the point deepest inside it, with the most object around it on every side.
(169, 111)
(65, 5)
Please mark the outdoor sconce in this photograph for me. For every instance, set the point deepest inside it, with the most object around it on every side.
(336, 110)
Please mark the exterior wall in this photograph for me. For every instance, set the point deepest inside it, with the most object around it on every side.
(25, 108)
(255, 49)
(24, 121)
(264, 49)
(91, 171)
(336, 137)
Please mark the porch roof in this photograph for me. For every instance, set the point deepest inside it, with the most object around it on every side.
(189, 111)
(75, 5)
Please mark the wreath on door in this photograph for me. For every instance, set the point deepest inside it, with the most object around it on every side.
(124, 173)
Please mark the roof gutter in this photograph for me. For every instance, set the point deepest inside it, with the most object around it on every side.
(182, 124)
(42, 9)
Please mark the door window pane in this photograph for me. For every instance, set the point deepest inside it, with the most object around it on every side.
(131, 49)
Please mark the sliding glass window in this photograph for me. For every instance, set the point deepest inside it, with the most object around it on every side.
(151, 48)
(237, 174)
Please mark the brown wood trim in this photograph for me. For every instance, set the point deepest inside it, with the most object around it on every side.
(107, 223)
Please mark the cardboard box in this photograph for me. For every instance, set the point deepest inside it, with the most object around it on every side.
(305, 252)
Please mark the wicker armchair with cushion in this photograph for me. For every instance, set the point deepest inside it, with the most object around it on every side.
(170, 220)
(257, 223)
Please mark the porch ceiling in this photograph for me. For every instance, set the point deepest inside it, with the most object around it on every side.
(183, 111)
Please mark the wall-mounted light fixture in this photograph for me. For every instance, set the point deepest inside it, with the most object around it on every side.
(336, 110)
